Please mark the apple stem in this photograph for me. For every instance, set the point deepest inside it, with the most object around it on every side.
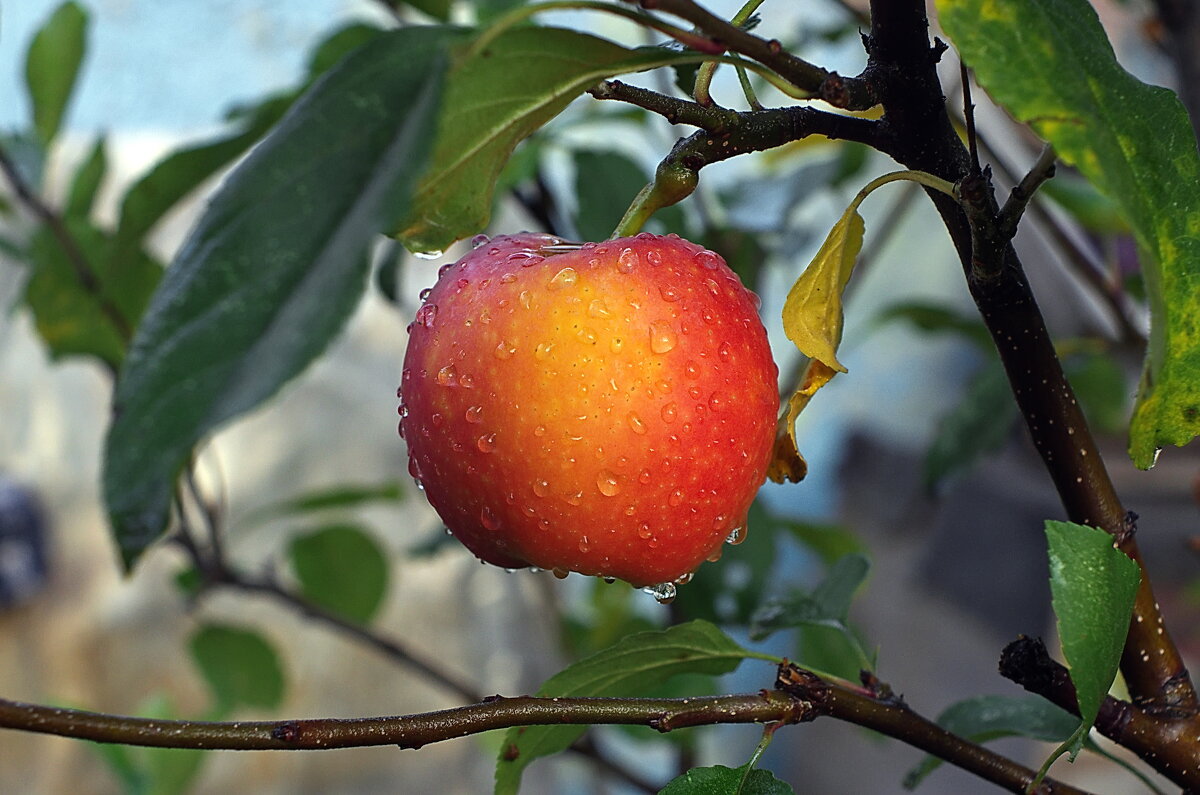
(673, 182)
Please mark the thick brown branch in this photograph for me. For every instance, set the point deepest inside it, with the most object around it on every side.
(889, 715)
(843, 92)
(405, 731)
(917, 132)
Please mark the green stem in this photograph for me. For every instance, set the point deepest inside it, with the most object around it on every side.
(672, 183)
(767, 735)
(920, 177)
(704, 74)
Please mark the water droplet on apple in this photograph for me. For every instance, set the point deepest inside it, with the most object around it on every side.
(645, 476)
(542, 352)
(586, 335)
(575, 498)
(715, 402)
(675, 498)
(583, 544)
(692, 369)
(662, 338)
(684, 579)
(447, 376)
(608, 484)
(736, 536)
(627, 260)
(669, 412)
(486, 443)
(616, 344)
(567, 277)
(597, 308)
(636, 423)
(466, 381)
(427, 315)
(707, 259)
(474, 414)
(539, 430)
(508, 278)
(663, 593)
(479, 240)
(669, 293)
(560, 573)
(488, 519)
(653, 257)
(541, 487)
(504, 350)
(725, 351)
(526, 299)
(423, 296)
(644, 531)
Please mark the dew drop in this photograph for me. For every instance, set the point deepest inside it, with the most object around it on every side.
(630, 510)
(433, 254)
(442, 271)
(644, 531)
(559, 573)
(635, 422)
(715, 402)
(663, 593)
(645, 476)
(597, 308)
(713, 287)
(653, 257)
(447, 376)
(575, 498)
(708, 260)
(583, 544)
(475, 414)
(479, 240)
(567, 277)
(627, 260)
(662, 338)
(675, 498)
(423, 296)
(437, 419)
(539, 430)
(427, 315)
(526, 299)
(529, 511)
(542, 352)
(692, 369)
(715, 555)
(586, 335)
(486, 443)
(504, 350)
(669, 293)
(736, 536)
(684, 579)
(508, 278)
(462, 283)
(616, 344)
(541, 487)
(608, 484)
(488, 519)
(466, 381)
(694, 392)
(669, 412)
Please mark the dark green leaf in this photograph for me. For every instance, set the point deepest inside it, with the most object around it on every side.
(343, 496)
(721, 780)
(837, 651)
(495, 98)
(1102, 389)
(338, 45)
(488, 10)
(605, 184)
(239, 665)
(631, 666)
(438, 9)
(182, 171)
(1093, 585)
(86, 183)
(685, 77)
(52, 67)
(977, 425)
(87, 307)
(272, 269)
(1050, 64)
(342, 569)
(932, 318)
(827, 605)
(989, 717)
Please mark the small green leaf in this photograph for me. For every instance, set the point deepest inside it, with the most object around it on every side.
(987, 718)
(1049, 63)
(720, 780)
(827, 605)
(241, 668)
(342, 569)
(273, 268)
(52, 66)
(85, 185)
(605, 183)
(1092, 585)
(812, 313)
(74, 303)
(338, 45)
(977, 425)
(496, 97)
(341, 496)
(631, 666)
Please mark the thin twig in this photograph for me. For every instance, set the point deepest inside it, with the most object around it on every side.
(84, 272)
(969, 115)
(1041, 170)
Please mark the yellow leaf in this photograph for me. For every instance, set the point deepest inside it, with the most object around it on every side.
(812, 313)
(786, 462)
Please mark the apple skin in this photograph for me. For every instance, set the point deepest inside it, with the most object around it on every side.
(609, 410)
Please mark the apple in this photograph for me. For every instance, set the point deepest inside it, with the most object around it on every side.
(605, 408)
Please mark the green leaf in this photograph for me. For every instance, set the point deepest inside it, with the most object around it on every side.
(977, 425)
(179, 173)
(241, 668)
(341, 496)
(605, 184)
(52, 66)
(830, 542)
(985, 718)
(827, 605)
(85, 185)
(338, 45)
(342, 569)
(438, 9)
(1051, 65)
(1092, 585)
(1100, 384)
(272, 270)
(74, 303)
(812, 313)
(496, 97)
(935, 318)
(720, 780)
(631, 666)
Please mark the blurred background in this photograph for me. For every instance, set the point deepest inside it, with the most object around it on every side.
(915, 458)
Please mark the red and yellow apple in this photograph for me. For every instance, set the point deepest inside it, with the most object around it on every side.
(607, 409)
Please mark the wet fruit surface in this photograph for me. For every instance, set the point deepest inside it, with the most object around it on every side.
(608, 410)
